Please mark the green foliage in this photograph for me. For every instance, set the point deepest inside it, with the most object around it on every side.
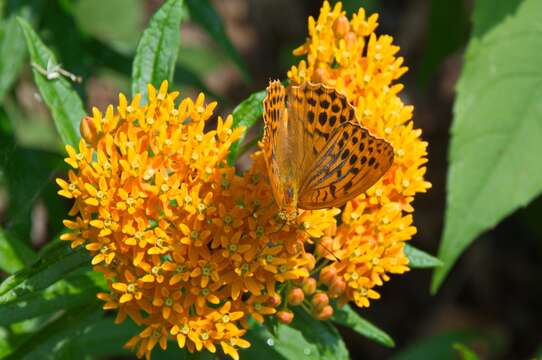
(418, 259)
(437, 346)
(63, 102)
(202, 12)
(158, 48)
(494, 167)
(14, 254)
(12, 43)
(465, 352)
(346, 316)
(246, 114)
(305, 337)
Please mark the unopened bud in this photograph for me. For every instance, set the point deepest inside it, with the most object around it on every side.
(320, 75)
(350, 39)
(309, 285)
(324, 246)
(319, 301)
(285, 316)
(337, 287)
(341, 26)
(325, 313)
(328, 275)
(274, 300)
(295, 297)
(88, 130)
(311, 261)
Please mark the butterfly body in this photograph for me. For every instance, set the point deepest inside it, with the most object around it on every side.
(317, 154)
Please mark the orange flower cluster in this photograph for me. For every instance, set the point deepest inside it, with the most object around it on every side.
(189, 249)
(370, 240)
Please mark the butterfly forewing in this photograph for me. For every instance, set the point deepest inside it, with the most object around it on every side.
(318, 146)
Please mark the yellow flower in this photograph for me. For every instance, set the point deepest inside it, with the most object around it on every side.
(369, 241)
(174, 229)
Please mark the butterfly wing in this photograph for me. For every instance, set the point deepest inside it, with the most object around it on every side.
(340, 158)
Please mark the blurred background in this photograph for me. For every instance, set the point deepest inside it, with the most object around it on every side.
(491, 301)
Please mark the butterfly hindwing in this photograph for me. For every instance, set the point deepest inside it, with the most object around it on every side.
(353, 161)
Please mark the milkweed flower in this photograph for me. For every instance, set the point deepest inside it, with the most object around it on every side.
(190, 250)
(349, 56)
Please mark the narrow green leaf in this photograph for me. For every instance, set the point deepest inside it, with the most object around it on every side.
(495, 146)
(464, 352)
(12, 46)
(203, 12)
(418, 259)
(52, 266)
(348, 317)
(246, 114)
(73, 291)
(55, 340)
(63, 102)
(14, 254)
(158, 48)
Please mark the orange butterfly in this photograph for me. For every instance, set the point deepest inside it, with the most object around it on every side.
(317, 154)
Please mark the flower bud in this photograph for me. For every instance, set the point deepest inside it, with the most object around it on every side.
(350, 39)
(295, 296)
(320, 75)
(324, 246)
(328, 275)
(285, 316)
(319, 301)
(311, 261)
(88, 130)
(341, 26)
(325, 313)
(274, 300)
(337, 287)
(309, 285)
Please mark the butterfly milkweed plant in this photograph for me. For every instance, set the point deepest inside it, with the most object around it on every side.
(192, 252)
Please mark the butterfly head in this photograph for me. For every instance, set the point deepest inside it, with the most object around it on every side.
(288, 211)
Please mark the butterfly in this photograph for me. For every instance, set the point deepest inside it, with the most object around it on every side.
(316, 152)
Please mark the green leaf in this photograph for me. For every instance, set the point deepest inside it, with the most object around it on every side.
(287, 343)
(488, 13)
(437, 346)
(158, 48)
(465, 353)
(63, 102)
(494, 151)
(73, 291)
(323, 334)
(348, 317)
(55, 340)
(203, 12)
(418, 259)
(12, 43)
(14, 254)
(58, 261)
(246, 114)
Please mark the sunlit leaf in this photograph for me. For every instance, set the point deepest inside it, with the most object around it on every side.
(346, 316)
(14, 254)
(465, 353)
(63, 102)
(73, 291)
(158, 47)
(495, 146)
(55, 264)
